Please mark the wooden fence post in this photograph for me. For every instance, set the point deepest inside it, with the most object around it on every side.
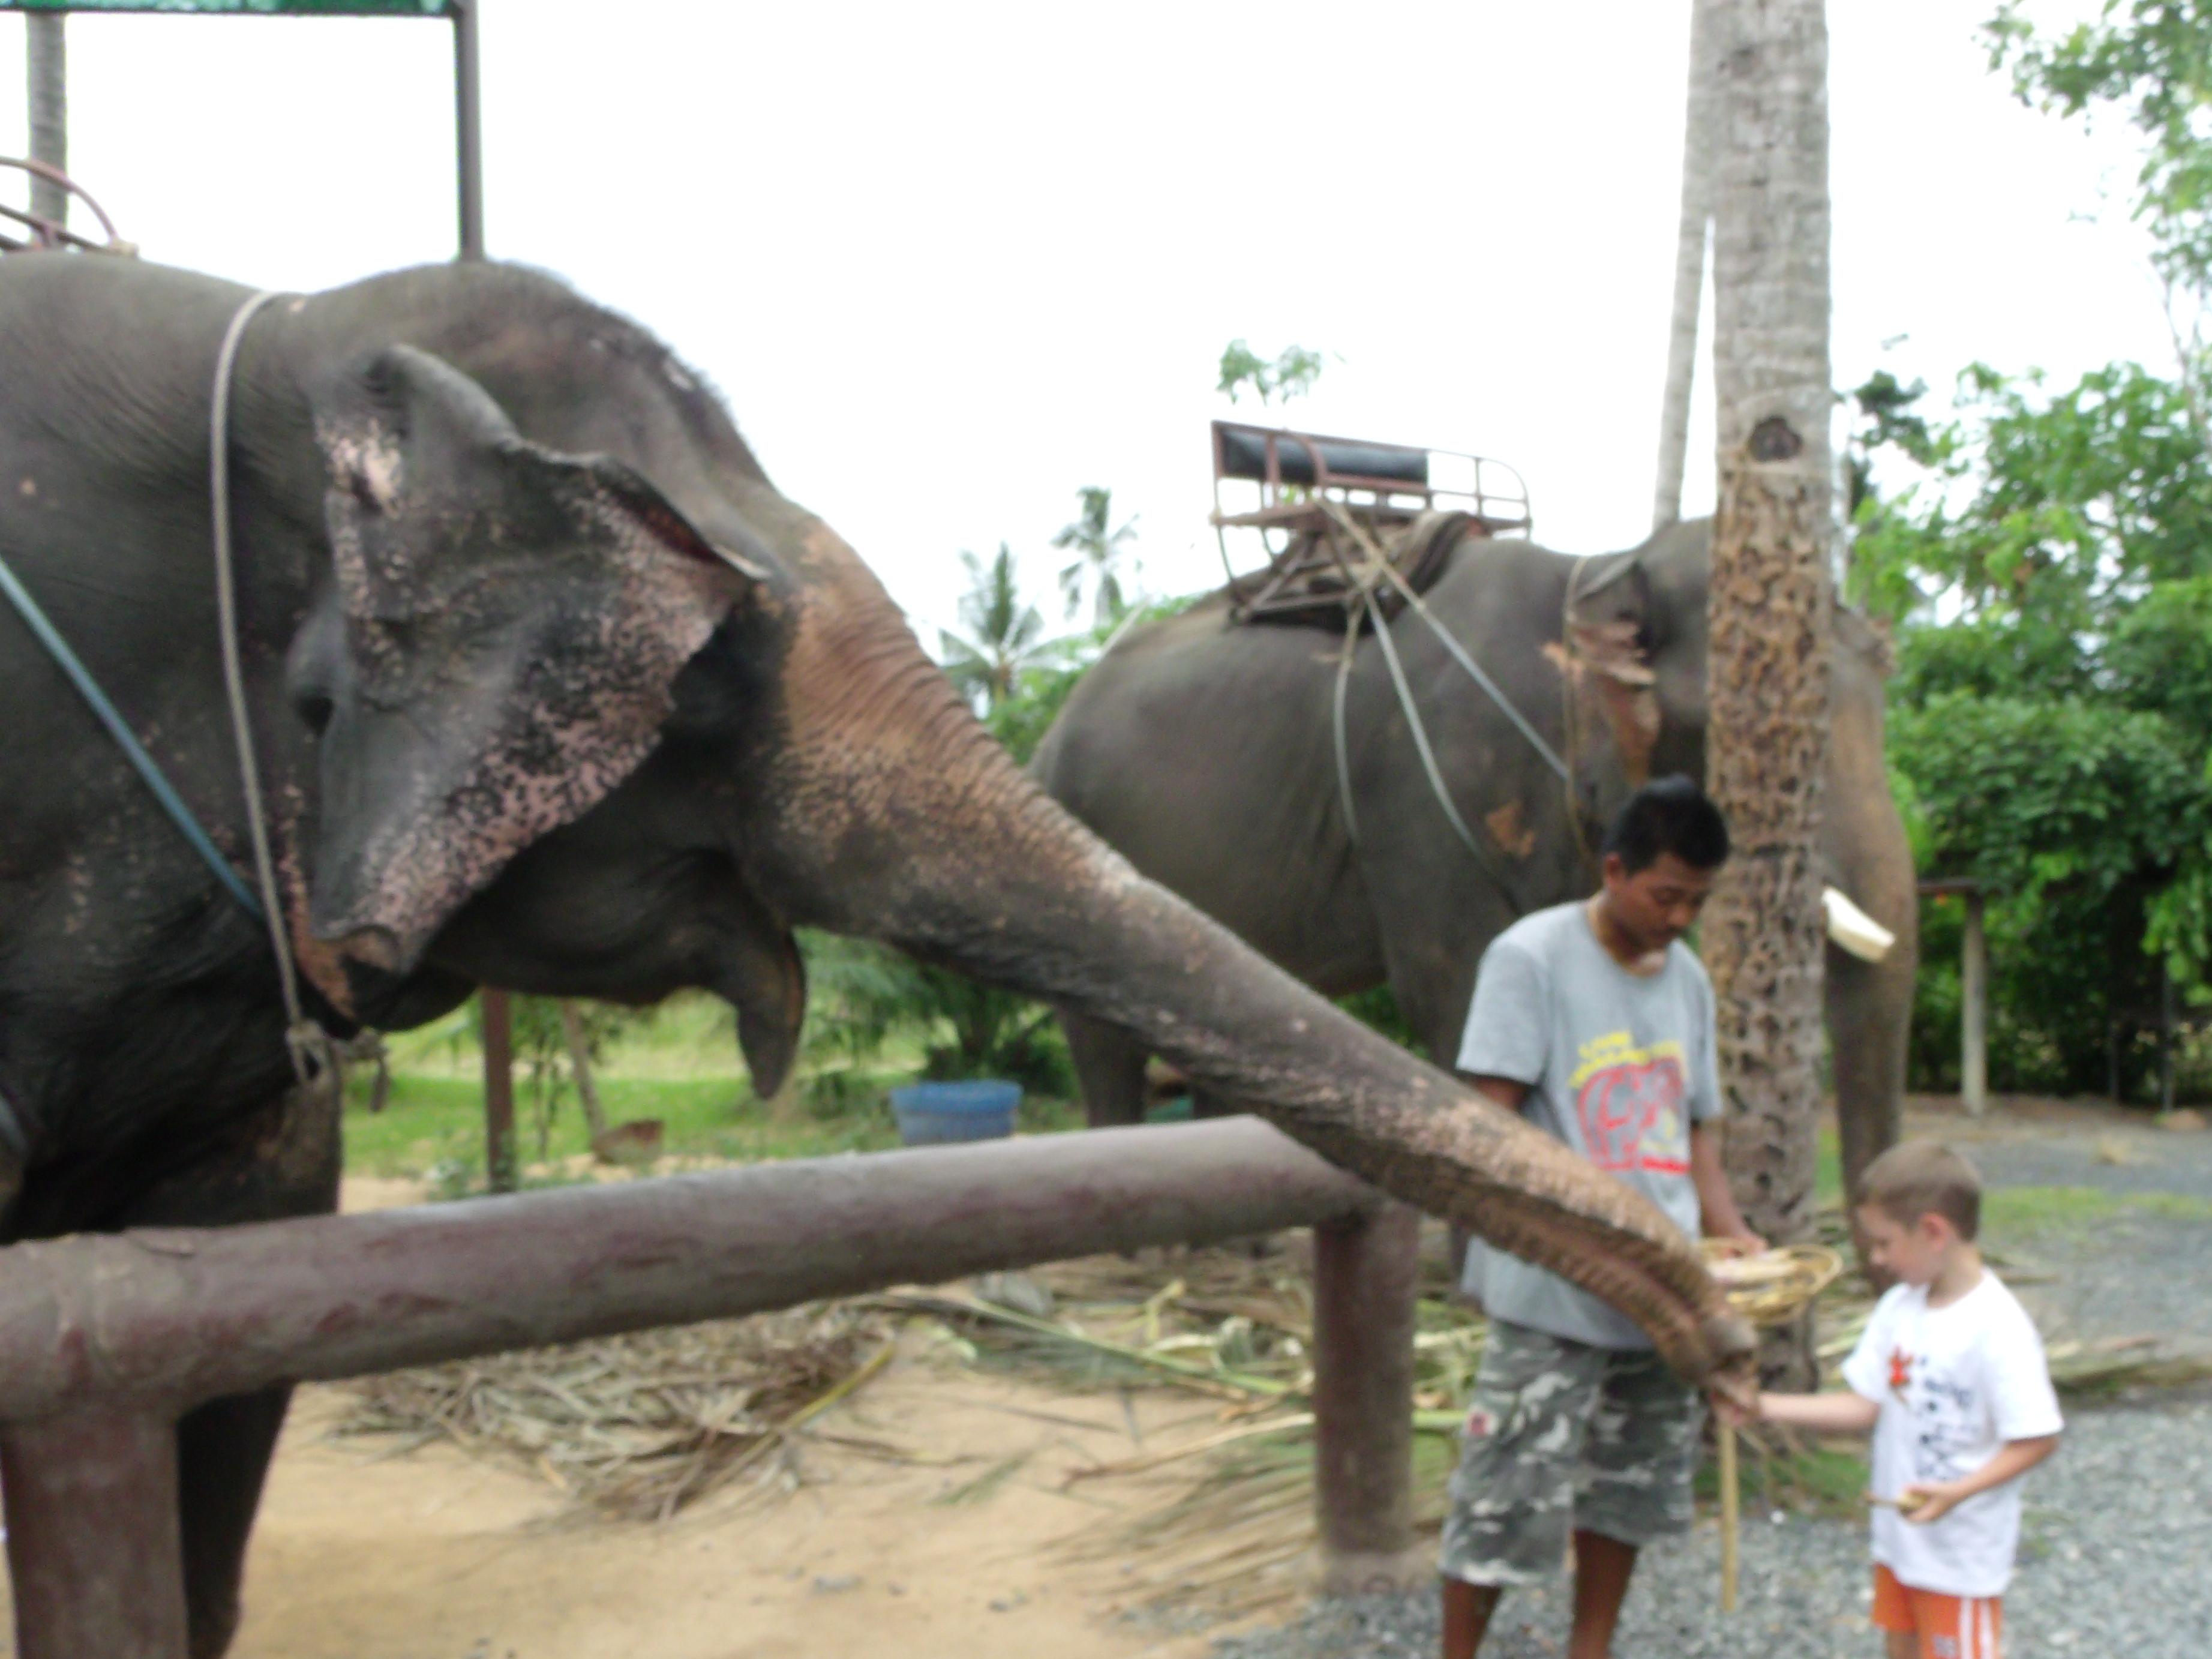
(1974, 1015)
(93, 1542)
(1364, 1290)
(499, 1091)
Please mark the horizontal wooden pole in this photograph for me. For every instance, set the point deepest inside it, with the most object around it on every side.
(177, 1316)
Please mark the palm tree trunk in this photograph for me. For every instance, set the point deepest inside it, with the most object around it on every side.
(1706, 27)
(1768, 665)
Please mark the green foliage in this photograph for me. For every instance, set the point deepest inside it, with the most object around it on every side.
(2050, 578)
(2152, 59)
(864, 996)
(1290, 374)
(1099, 552)
(1005, 637)
(542, 1052)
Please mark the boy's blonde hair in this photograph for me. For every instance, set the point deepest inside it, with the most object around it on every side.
(1925, 1177)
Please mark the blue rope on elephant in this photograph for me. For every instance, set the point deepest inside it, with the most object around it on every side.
(172, 803)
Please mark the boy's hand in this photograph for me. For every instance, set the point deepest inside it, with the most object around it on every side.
(1932, 1500)
(1734, 1403)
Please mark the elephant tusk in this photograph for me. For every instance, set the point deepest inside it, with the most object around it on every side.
(1853, 928)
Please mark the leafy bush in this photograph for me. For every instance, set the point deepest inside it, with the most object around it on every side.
(2052, 716)
(865, 997)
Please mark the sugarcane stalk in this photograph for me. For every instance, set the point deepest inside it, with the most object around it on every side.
(1731, 1519)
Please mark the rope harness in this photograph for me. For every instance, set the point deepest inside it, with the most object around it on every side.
(1378, 568)
(310, 1049)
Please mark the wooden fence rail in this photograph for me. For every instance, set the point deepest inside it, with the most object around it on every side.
(105, 1340)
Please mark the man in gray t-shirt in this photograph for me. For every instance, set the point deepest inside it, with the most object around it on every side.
(1595, 1022)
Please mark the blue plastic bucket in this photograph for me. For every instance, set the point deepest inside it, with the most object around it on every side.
(929, 1112)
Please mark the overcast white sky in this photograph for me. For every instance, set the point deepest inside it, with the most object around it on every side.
(951, 263)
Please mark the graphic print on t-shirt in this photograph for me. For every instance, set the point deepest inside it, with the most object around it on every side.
(1900, 1372)
(1945, 1411)
(1630, 1102)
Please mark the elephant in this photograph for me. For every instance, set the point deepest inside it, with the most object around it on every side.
(552, 690)
(1205, 752)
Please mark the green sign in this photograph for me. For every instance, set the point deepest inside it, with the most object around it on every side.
(245, 8)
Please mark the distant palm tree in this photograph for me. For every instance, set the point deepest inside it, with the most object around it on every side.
(1004, 632)
(1098, 551)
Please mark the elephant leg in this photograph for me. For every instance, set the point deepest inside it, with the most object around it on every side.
(1110, 1069)
(1870, 1008)
(279, 1163)
(223, 1453)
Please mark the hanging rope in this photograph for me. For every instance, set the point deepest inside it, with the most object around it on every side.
(1380, 562)
(1490, 867)
(308, 1044)
(1336, 721)
(148, 769)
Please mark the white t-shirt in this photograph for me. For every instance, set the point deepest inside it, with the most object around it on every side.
(1955, 1385)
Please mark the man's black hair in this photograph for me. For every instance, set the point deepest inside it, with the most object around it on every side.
(1670, 815)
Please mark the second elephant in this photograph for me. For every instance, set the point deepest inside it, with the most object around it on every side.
(1206, 752)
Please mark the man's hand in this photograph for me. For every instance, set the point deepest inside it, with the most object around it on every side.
(1733, 1390)
(1715, 1203)
(1745, 1243)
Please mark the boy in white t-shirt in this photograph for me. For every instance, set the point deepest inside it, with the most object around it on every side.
(1950, 1377)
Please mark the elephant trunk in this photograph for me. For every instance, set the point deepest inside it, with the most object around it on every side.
(901, 819)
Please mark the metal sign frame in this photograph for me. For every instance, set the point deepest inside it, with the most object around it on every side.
(467, 104)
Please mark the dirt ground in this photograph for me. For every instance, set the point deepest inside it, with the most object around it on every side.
(434, 1556)
(361, 1554)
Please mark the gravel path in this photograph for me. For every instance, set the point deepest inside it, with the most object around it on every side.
(2112, 1562)
(2119, 1532)
(2144, 1268)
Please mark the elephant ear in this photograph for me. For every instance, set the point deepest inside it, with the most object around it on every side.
(512, 620)
(1610, 642)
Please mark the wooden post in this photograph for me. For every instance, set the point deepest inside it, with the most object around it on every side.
(1974, 1014)
(499, 1091)
(189, 1315)
(49, 109)
(1731, 1518)
(1364, 1281)
(94, 1546)
(2166, 1068)
(468, 126)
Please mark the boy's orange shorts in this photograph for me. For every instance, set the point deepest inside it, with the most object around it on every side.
(1947, 1626)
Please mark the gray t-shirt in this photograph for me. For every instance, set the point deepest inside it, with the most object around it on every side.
(1618, 1065)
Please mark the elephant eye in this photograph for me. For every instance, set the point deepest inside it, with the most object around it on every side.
(315, 709)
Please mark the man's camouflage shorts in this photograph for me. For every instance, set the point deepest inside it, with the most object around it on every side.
(1561, 1437)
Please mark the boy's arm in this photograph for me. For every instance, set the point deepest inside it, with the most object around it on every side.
(1715, 1203)
(1842, 1413)
(2014, 1459)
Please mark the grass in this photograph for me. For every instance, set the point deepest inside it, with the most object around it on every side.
(1813, 1479)
(681, 1067)
(2010, 1210)
(1828, 1171)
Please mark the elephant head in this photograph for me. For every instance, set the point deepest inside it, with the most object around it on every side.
(1636, 643)
(495, 653)
(763, 746)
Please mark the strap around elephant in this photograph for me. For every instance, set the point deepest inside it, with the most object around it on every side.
(148, 769)
(309, 1045)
